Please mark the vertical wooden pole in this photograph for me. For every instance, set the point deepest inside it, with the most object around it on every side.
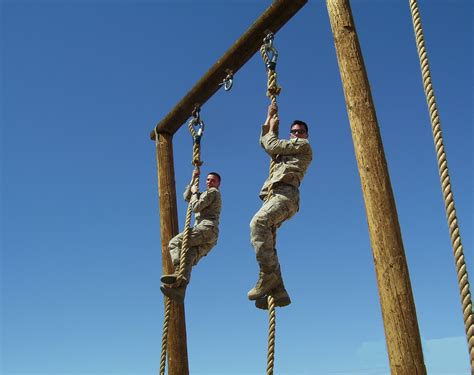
(177, 349)
(396, 298)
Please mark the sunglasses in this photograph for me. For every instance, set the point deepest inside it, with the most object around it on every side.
(297, 131)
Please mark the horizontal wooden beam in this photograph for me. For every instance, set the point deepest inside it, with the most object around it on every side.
(276, 15)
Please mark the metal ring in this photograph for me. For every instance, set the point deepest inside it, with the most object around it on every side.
(196, 112)
(270, 51)
(199, 124)
(268, 40)
(228, 81)
(272, 54)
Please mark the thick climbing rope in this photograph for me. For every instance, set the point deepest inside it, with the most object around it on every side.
(164, 336)
(271, 335)
(194, 122)
(270, 55)
(445, 183)
(196, 161)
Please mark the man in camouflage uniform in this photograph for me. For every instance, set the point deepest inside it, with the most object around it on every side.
(280, 194)
(203, 235)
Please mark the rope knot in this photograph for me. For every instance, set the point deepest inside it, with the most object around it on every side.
(273, 90)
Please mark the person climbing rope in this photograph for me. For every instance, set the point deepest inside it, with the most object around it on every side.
(280, 194)
(203, 235)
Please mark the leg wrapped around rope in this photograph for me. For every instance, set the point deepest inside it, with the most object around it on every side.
(279, 294)
(176, 293)
(174, 248)
(171, 278)
(174, 287)
(263, 238)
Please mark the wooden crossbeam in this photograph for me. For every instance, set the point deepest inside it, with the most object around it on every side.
(276, 15)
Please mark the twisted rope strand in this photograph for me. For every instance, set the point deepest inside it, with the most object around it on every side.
(272, 91)
(445, 183)
(271, 335)
(184, 247)
(164, 337)
(187, 231)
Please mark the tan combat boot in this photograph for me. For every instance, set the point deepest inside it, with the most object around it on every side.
(280, 296)
(171, 278)
(266, 282)
(175, 293)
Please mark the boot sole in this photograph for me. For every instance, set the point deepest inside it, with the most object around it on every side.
(168, 279)
(169, 292)
(262, 303)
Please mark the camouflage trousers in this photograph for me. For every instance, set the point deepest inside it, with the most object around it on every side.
(281, 206)
(202, 238)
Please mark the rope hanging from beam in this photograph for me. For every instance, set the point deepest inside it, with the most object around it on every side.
(196, 161)
(164, 336)
(270, 56)
(445, 183)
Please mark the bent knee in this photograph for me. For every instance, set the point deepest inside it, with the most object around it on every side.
(258, 222)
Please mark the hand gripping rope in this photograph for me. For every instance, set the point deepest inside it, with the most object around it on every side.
(270, 56)
(445, 184)
(195, 122)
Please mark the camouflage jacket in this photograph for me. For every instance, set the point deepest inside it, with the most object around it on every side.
(206, 206)
(292, 159)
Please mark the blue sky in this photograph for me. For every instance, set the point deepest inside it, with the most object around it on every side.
(84, 83)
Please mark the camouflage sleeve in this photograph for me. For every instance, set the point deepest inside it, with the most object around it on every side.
(263, 133)
(275, 146)
(187, 193)
(200, 202)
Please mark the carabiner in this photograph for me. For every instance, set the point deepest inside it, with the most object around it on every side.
(196, 112)
(270, 51)
(228, 81)
(197, 123)
(268, 40)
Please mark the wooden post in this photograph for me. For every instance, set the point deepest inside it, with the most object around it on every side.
(177, 349)
(396, 298)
